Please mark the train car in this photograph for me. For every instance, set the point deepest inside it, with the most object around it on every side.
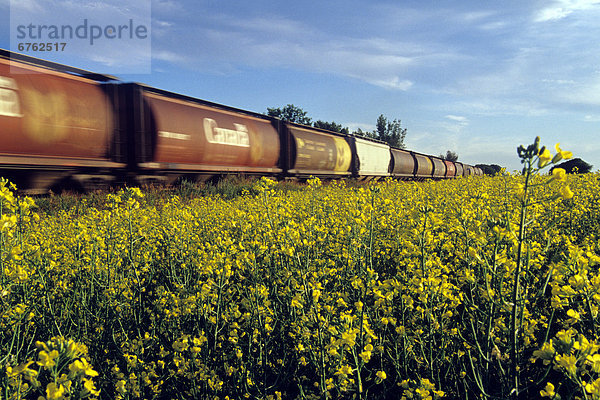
(311, 151)
(175, 136)
(439, 167)
(56, 125)
(450, 169)
(424, 166)
(403, 164)
(460, 169)
(371, 158)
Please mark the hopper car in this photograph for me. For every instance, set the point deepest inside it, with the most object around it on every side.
(62, 126)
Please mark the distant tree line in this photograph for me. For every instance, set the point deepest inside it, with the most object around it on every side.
(389, 131)
(574, 166)
(490, 169)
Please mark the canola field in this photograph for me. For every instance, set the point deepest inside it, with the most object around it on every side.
(479, 287)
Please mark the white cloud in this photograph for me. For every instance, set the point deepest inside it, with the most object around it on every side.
(166, 6)
(584, 94)
(563, 8)
(551, 14)
(394, 83)
(225, 44)
(169, 56)
(541, 68)
(475, 16)
(457, 118)
(162, 24)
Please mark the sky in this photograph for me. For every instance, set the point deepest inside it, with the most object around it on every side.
(477, 78)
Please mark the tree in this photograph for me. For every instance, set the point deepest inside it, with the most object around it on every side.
(574, 166)
(290, 113)
(450, 156)
(489, 169)
(330, 126)
(360, 132)
(390, 132)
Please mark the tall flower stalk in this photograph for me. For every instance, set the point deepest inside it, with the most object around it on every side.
(534, 159)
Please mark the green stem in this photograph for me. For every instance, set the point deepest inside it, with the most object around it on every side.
(514, 373)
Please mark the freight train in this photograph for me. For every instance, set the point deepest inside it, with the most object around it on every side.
(61, 125)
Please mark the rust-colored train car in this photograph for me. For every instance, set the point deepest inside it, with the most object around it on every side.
(450, 169)
(177, 136)
(54, 125)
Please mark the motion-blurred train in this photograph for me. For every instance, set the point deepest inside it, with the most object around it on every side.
(61, 125)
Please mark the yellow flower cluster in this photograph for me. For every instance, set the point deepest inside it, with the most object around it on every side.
(63, 372)
(453, 289)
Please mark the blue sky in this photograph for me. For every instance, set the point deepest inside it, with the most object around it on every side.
(478, 78)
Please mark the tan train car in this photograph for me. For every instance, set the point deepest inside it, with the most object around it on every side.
(314, 152)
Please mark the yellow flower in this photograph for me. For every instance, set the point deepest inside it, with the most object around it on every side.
(559, 174)
(120, 387)
(366, 355)
(594, 361)
(569, 363)
(54, 392)
(566, 336)
(544, 158)
(47, 359)
(561, 154)
(344, 371)
(566, 192)
(519, 191)
(545, 353)
(82, 366)
(296, 302)
(316, 294)
(574, 316)
(181, 345)
(22, 368)
(348, 338)
(381, 375)
(548, 391)
(593, 388)
(90, 387)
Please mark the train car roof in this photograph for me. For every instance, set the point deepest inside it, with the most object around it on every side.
(11, 55)
(314, 128)
(196, 100)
